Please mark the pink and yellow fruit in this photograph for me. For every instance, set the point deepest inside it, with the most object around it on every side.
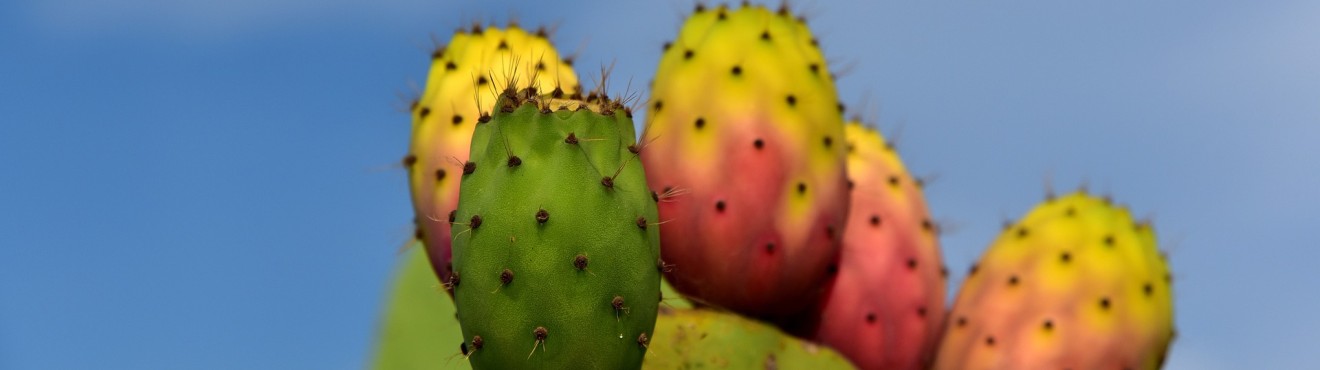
(744, 146)
(1075, 284)
(885, 305)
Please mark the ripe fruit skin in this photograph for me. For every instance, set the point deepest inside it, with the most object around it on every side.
(744, 145)
(1076, 283)
(885, 306)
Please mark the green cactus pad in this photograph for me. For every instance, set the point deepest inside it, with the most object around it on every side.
(473, 67)
(555, 238)
(706, 339)
(418, 330)
(671, 298)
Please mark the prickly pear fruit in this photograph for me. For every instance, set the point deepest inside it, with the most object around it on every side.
(465, 77)
(417, 329)
(1075, 284)
(556, 244)
(706, 339)
(885, 305)
(744, 144)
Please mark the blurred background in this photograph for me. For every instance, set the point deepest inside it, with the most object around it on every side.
(214, 184)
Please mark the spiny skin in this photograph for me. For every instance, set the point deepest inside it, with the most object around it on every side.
(744, 144)
(1076, 284)
(706, 339)
(885, 305)
(556, 246)
(463, 74)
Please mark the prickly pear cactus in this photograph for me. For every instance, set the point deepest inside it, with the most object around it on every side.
(417, 326)
(1075, 284)
(885, 305)
(706, 339)
(670, 298)
(461, 87)
(556, 245)
(744, 145)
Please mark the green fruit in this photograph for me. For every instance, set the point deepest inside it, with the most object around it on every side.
(555, 244)
(418, 330)
(670, 298)
(705, 339)
(464, 77)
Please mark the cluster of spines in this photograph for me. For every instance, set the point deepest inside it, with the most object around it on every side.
(558, 100)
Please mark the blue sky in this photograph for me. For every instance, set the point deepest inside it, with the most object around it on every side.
(212, 184)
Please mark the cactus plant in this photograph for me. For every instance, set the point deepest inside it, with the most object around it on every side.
(1076, 283)
(769, 208)
(884, 306)
(744, 147)
(671, 298)
(555, 257)
(417, 327)
(707, 339)
(465, 77)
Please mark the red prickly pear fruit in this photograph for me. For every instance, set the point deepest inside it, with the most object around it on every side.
(465, 77)
(743, 146)
(1075, 284)
(885, 305)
